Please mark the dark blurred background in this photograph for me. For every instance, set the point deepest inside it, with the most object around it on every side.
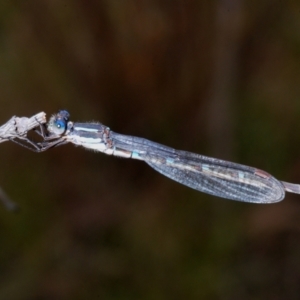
(220, 78)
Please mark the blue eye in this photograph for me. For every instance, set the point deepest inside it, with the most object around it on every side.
(57, 126)
(60, 125)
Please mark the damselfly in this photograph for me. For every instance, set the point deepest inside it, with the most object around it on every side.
(209, 175)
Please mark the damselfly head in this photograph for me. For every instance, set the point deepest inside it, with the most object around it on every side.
(58, 123)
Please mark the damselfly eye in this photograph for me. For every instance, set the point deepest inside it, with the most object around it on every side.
(56, 126)
(60, 126)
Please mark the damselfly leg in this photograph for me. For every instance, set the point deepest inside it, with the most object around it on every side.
(30, 144)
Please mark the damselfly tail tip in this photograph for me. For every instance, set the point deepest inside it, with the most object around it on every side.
(291, 187)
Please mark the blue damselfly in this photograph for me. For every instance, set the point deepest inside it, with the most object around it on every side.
(209, 175)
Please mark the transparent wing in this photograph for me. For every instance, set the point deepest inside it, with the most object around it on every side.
(209, 175)
(219, 178)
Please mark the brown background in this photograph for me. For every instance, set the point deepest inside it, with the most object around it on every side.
(220, 78)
